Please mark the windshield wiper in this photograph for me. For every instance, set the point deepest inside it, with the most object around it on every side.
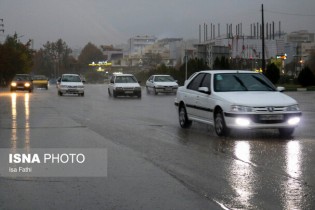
(241, 82)
(264, 83)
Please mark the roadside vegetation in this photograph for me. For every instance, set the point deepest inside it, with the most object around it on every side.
(55, 58)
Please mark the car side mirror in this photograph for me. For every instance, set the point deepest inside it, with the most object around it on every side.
(204, 90)
(281, 89)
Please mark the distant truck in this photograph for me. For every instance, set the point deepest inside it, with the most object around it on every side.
(40, 81)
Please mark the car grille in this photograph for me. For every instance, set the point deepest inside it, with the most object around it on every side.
(270, 109)
(128, 88)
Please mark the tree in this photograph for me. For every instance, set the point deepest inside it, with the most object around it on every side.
(311, 61)
(152, 59)
(90, 53)
(272, 73)
(306, 77)
(15, 58)
(53, 59)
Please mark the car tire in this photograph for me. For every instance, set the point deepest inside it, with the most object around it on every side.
(82, 94)
(114, 94)
(154, 91)
(219, 125)
(59, 93)
(184, 122)
(139, 95)
(30, 90)
(286, 132)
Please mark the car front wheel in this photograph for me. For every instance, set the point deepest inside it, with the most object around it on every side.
(184, 122)
(219, 125)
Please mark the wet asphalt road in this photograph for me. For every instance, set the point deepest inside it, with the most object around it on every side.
(152, 162)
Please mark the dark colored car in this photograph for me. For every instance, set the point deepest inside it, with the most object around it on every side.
(22, 82)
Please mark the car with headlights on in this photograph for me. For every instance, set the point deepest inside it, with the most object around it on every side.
(161, 84)
(124, 85)
(233, 99)
(22, 82)
(70, 84)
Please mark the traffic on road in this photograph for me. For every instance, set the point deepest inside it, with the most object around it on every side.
(152, 162)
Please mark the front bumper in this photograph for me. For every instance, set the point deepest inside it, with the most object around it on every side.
(71, 90)
(166, 89)
(266, 120)
(128, 92)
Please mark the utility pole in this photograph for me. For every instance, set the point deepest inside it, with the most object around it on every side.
(263, 61)
(1, 25)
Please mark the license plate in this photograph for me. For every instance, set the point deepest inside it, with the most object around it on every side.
(168, 89)
(128, 92)
(271, 117)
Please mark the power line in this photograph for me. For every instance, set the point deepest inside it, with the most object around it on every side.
(292, 14)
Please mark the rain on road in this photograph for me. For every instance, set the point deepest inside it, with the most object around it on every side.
(152, 162)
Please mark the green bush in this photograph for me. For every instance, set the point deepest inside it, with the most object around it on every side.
(306, 77)
(273, 73)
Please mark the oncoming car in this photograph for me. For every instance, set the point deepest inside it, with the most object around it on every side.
(231, 99)
(70, 84)
(40, 81)
(22, 82)
(124, 85)
(161, 84)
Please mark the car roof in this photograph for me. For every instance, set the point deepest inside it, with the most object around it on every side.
(228, 71)
(161, 75)
(119, 75)
(70, 75)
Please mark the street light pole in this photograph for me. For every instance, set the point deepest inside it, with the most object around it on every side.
(263, 66)
(185, 64)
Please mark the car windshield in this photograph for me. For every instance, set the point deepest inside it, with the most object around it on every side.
(39, 77)
(22, 78)
(71, 78)
(125, 79)
(163, 79)
(242, 82)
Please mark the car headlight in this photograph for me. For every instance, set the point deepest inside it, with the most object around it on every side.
(81, 86)
(118, 88)
(159, 86)
(63, 86)
(27, 84)
(13, 84)
(237, 108)
(137, 88)
(293, 108)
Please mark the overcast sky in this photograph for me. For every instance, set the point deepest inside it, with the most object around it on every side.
(78, 22)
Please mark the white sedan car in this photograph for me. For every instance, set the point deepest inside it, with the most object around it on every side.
(70, 84)
(124, 85)
(161, 84)
(232, 99)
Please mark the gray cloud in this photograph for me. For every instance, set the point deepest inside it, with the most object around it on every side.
(113, 22)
